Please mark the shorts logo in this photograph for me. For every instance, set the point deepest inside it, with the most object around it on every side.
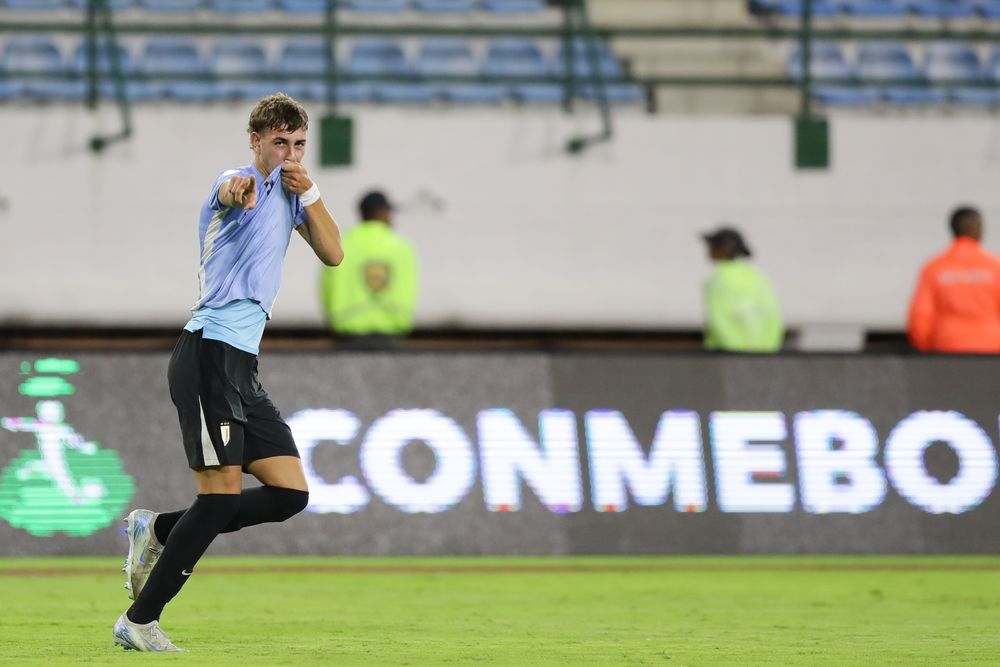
(224, 431)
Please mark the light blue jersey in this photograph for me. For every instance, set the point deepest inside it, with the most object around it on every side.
(242, 253)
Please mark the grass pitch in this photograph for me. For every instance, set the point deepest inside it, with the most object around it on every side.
(520, 611)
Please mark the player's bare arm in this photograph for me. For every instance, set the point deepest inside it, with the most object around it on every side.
(239, 192)
(320, 229)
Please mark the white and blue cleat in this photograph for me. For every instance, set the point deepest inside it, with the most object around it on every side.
(148, 637)
(143, 550)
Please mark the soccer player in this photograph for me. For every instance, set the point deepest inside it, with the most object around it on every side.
(228, 424)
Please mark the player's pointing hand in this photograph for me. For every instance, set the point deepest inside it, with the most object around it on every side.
(242, 192)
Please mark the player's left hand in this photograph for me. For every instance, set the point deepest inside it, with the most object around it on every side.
(294, 177)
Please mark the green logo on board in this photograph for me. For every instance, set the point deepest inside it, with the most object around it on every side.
(67, 483)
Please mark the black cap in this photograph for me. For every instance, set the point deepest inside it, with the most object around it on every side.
(728, 239)
(372, 202)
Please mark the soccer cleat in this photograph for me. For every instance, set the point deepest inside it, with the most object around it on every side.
(148, 637)
(143, 550)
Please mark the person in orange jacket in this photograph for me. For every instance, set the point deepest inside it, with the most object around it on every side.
(956, 306)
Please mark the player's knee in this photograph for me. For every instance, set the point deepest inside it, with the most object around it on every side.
(292, 501)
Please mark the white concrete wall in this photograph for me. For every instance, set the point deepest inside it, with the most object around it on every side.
(510, 230)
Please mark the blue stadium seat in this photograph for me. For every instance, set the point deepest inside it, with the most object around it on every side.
(11, 90)
(33, 5)
(828, 64)
(616, 93)
(538, 93)
(607, 63)
(35, 54)
(116, 5)
(875, 8)
(376, 5)
(885, 62)
(445, 6)
(347, 93)
(241, 56)
(303, 56)
(520, 57)
(942, 9)
(513, 6)
(950, 62)
(844, 96)
(988, 8)
(377, 56)
(171, 5)
(240, 6)
(179, 56)
(303, 6)
(793, 8)
(453, 57)
(135, 90)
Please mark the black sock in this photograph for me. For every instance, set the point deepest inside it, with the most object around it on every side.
(165, 523)
(192, 535)
(265, 504)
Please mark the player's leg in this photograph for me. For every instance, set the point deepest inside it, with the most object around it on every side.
(271, 457)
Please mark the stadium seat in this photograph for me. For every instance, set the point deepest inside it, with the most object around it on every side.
(453, 57)
(942, 9)
(607, 63)
(11, 90)
(32, 54)
(33, 5)
(171, 5)
(115, 5)
(538, 93)
(178, 56)
(875, 8)
(135, 90)
(303, 6)
(445, 6)
(949, 62)
(826, 63)
(240, 6)
(828, 67)
(520, 57)
(513, 6)
(616, 93)
(377, 56)
(376, 5)
(237, 56)
(989, 9)
(306, 56)
(793, 8)
(887, 62)
(846, 96)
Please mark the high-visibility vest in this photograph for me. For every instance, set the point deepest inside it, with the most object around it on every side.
(374, 290)
(741, 309)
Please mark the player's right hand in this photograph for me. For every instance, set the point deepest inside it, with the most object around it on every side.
(243, 191)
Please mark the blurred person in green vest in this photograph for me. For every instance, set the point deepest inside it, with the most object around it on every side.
(372, 294)
(740, 306)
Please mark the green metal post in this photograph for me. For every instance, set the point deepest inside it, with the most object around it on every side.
(805, 49)
(569, 63)
(92, 54)
(331, 56)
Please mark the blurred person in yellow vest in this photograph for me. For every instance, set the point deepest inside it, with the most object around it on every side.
(372, 294)
(740, 306)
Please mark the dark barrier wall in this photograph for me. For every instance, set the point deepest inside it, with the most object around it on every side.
(532, 453)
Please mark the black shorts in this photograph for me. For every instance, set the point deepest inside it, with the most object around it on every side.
(226, 417)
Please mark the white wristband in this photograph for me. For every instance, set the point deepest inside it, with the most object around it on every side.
(310, 196)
